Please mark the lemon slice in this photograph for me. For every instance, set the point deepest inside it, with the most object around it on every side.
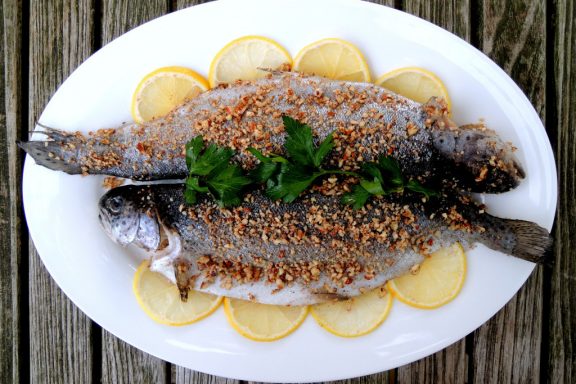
(241, 59)
(261, 322)
(164, 89)
(160, 299)
(333, 58)
(414, 83)
(356, 316)
(438, 280)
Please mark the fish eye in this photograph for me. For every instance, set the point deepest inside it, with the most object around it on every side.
(115, 204)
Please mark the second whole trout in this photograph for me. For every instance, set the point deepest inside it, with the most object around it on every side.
(309, 251)
(366, 120)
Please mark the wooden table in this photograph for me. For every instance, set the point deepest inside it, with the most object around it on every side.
(45, 338)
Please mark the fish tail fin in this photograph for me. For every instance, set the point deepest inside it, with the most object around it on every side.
(523, 239)
(58, 151)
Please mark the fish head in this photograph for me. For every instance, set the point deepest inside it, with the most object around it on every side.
(480, 160)
(127, 217)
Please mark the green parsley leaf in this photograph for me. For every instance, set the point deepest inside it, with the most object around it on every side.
(264, 172)
(415, 186)
(323, 150)
(381, 179)
(373, 170)
(268, 167)
(193, 183)
(226, 184)
(300, 144)
(372, 187)
(287, 177)
(259, 155)
(193, 149)
(212, 157)
(391, 169)
(191, 196)
(357, 198)
(210, 172)
(292, 181)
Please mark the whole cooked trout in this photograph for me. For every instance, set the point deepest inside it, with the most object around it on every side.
(306, 252)
(366, 120)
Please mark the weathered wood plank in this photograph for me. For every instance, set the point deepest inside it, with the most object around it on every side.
(60, 39)
(389, 3)
(561, 362)
(513, 34)
(120, 16)
(181, 4)
(508, 347)
(122, 363)
(10, 180)
(181, 375)
(452, 15)
(377, 378)
(449, 365)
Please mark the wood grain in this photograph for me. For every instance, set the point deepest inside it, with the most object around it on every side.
(561, 362)
(120, 16)
(181, 4)
(389, 3)
(513, 34)
(60, 39)
(11, 252)
(452, 15)
(181, 375)
(378, 378)
(508, 347)
(121, 362)
(451, 364)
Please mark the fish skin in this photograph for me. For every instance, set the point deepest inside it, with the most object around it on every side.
(366, 120)
(202, 238)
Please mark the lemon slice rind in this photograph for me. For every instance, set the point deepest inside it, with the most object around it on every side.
(245, 57)
(164, 89)
(333, 58)
(268, 313)
(160, 299)
(342, 318)
(446, 266)
(415, 83)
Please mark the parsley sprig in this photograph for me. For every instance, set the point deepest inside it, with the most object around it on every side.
(287, 177)
(210, 172)
(380, 179)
